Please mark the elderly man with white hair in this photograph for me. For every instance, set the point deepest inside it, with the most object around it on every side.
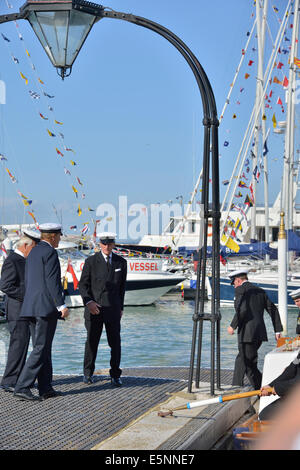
(43, 305)
(12, 284)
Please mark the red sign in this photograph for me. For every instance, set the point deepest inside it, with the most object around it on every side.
(143, 266)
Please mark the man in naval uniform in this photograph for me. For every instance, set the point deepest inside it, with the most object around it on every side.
(43, 304)
(281, 386)
(102, 287)
(12, 284)
(249, 303)
(296, 298)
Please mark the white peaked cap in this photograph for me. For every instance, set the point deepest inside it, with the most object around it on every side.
(237, 273)
(295, 294)
(50, 228)
(33, 234)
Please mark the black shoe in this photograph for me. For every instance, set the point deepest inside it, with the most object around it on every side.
(116, 382)
(27, 395)
(8, 388)
(50, 394)
(88, 379)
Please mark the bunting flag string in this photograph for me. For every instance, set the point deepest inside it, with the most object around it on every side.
(59, 153)
(36, 96)
(24, 78)
(25, 200)
(43, 117)
(13, 179)
(33, 216)
(40, 82)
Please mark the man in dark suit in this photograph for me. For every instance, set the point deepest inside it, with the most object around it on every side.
(12, 284)
(250, 303)
(282, 387)
(43, 304)
(102, 287)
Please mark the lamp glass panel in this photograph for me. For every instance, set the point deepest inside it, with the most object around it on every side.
(80, 26)
(37, 29)
(54, 26)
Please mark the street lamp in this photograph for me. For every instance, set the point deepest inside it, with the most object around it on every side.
(62, 27)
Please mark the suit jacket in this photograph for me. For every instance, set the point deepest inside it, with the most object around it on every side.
(12, 284)
(105, 284)
(289, 377)
(250, 303)
(43, 288)
(298, 324)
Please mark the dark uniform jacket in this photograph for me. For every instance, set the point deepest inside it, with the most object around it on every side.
(289, 377)
(104, 283)
(12, 284)
(250, 303)
(298, 324)
(43, 288)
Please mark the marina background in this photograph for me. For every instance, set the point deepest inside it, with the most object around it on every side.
(131, 106)
(157, 335)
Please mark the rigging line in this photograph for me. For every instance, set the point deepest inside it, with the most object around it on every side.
(270, 34)
(278, 42)
(227, 101)
(237, 161)
(276, 15)
(228, 189)
(181, 225)
(8, 4)
(236, 74)
(271, 60)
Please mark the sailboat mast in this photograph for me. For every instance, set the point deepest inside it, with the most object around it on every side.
(294, 53)
(260, 27)
(264, 141)
(287, 190)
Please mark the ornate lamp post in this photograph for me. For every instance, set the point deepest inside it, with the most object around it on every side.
(62, 27)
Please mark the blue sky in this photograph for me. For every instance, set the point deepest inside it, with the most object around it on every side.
(131, 109)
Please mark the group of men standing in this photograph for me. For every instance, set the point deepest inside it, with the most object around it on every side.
(31, 280)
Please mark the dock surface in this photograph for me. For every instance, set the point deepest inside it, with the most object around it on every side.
(102, 417)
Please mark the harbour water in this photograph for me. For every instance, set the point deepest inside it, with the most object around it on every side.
(156, 335)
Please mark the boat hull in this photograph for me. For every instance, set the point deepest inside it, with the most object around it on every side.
(271, 288)
(140, 290)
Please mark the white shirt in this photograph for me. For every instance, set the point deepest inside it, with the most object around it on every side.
(106, 256)
(19, 252)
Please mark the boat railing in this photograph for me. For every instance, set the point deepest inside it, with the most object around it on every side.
(125, 252)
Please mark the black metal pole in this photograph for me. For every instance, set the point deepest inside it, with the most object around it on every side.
(210, 118)
(199, 308)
